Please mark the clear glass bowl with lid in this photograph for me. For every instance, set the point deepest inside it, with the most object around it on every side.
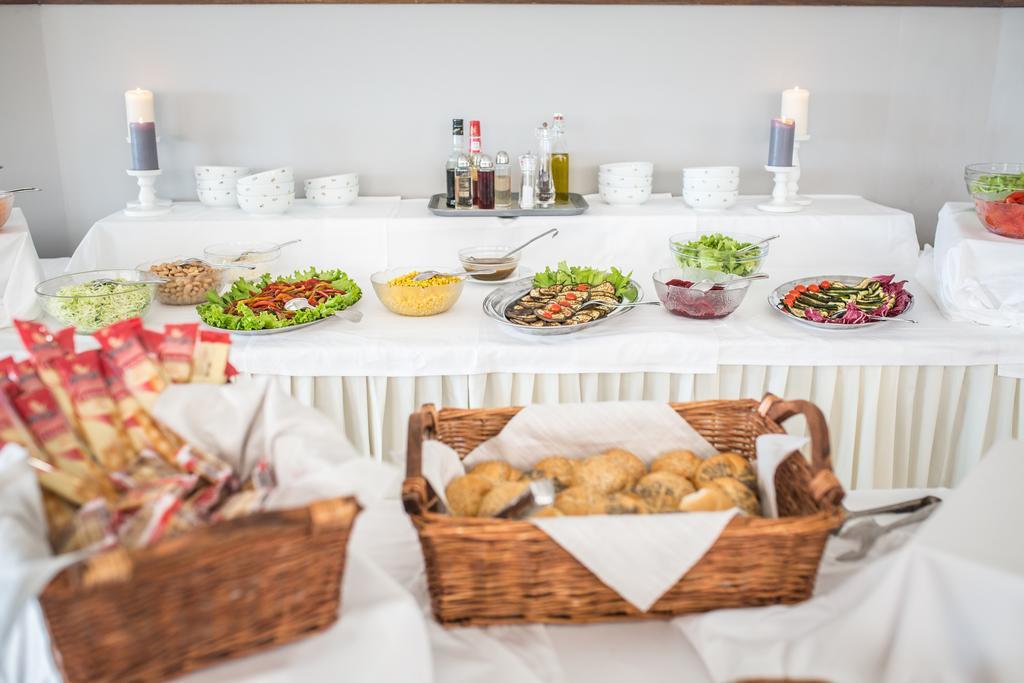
(486, 258)
(262, 255)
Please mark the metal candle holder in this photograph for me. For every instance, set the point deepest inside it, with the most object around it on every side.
(780, 202)
(793, 188)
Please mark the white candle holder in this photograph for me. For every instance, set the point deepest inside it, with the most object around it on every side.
(148, 203)
(780, 202)
(793, 189)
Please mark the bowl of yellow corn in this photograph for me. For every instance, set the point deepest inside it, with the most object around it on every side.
(397, 290)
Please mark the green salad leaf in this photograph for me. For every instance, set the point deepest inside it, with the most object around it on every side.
(215, 312)
(717, 252)
(998, 183)
(578, 275)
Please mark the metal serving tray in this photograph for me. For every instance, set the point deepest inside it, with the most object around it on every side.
(574, 207)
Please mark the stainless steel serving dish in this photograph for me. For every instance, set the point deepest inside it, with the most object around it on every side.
(500, 299)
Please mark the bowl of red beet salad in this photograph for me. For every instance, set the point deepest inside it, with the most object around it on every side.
(675, 290)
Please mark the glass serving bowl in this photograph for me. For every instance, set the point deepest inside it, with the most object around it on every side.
(74, 300)
(998, 193)
(691, 303)
(263, 255)
(725, 261)
(420, 299)
(485, 258)
(187, 284)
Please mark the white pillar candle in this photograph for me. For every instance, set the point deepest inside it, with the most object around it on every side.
(139, 105)
(795, 102)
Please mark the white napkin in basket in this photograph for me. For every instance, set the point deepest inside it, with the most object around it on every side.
(638, 556)
(242, 423)
(772, 449)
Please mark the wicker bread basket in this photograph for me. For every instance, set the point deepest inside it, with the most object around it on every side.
(494, 571)
(218, 592)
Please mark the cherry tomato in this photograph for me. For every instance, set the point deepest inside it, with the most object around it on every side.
(1015, 198)
(554, 308)
(545, 314)
(800, 288)
(813, 288)
(582, 287)
(570, 296)
(825, 284)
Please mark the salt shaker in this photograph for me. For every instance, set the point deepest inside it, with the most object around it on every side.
(502, 181)
(528, 185)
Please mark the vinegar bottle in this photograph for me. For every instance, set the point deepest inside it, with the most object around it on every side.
(560, 161)
(485, 183)
(463, 184)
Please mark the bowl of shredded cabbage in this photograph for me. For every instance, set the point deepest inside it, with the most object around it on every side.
(95, 299)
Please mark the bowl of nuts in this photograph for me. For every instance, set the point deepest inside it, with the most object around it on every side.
(188, 280)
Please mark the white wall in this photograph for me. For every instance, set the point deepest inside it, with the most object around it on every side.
(902, 97)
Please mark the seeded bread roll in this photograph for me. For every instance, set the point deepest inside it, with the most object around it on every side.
(578, 500)
(683, 463)
(501, 496)
(725, 465)
(601, 474)
(465, 493)
(633, 465)
(740, 494)
(663, 490)
(621, 504)
(711, 499)
(496, 471)
(559, 469)
(549, 511)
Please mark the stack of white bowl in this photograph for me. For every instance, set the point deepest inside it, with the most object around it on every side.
(628, 182)
(333, 190)
(215, 185)
(710, 188)
(270, 192)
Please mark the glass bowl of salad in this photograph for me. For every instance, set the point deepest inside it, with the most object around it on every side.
(94, 299)
(998, 193)
(732, 253)
(402, 295)
(673, 286)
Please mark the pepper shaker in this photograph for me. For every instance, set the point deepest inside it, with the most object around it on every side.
(502, 181)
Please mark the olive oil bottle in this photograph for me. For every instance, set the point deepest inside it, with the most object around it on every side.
(560, 161)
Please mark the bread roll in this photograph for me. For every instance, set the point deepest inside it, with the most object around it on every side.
(501, 496)
(739, 493)
(683, 463)
(603, 475)
(557, 468)
(549, 511)
(711, 499)
(578, 500)
(663, 490)
(465, 493)
(496, 471)
(633, 465)
(725, 465)
(621, 504)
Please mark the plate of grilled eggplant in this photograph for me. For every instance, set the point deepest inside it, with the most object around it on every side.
(553, 310)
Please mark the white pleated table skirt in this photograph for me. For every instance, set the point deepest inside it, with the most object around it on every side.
(891, 427)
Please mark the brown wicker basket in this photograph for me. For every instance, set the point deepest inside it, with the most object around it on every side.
(492, 571)
(218, 592)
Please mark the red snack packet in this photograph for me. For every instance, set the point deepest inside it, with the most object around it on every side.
(27, 377)
(97, 413)
(46, 349)
(140, 428)
(149, 467)
(67, 486)
(47, 423)
(141, 374)
(177, 349)
(209, 467)
(179, 485)
(8, 369)
(91, 527)
(151, 341)
(209, 365)
(12, 428)
(148, 525)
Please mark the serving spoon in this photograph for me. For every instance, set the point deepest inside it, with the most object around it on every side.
(215, 266)
(300, 304)
(595, 302)
(427, 274)
(757, 244)
(21, 189)
(250, 252)
(553, 232)
(707, 285)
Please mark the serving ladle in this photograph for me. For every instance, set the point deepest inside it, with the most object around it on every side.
(299, 304)
(215, 266)
(757, 244)
(427, 274)
(707, 285)
(21, 189)
(250, 252)
(553, 232)
(604, 304)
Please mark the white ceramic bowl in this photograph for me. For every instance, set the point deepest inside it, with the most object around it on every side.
(210, 173)
(278, 175)
(331, 182)
(622, 196)
(624, 181)
(630, 168)
(333, 197)
(710, 184)
(711, 172)
(266, 205)
(265, 189)
(710, 200)
(226, 184)
(218, 197)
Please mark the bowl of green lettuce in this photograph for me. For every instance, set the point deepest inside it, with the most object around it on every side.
(95, 299)
(726, 252)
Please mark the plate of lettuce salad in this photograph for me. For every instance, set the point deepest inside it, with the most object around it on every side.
(257, 306)
(842, 302)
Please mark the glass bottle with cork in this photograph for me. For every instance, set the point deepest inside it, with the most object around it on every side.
(560, 160)
(463, 184)
(475, 150)
(502, 180)
(545, 181)
(485, 183)
(458, 148)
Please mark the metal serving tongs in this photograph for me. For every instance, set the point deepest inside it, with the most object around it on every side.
(299, 303)
(869, 531)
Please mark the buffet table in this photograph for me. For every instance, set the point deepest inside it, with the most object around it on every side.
(20, 270)
(908, 405)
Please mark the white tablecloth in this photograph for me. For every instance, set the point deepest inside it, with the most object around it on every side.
(20, 270)
(908, 405)
(979, 275)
